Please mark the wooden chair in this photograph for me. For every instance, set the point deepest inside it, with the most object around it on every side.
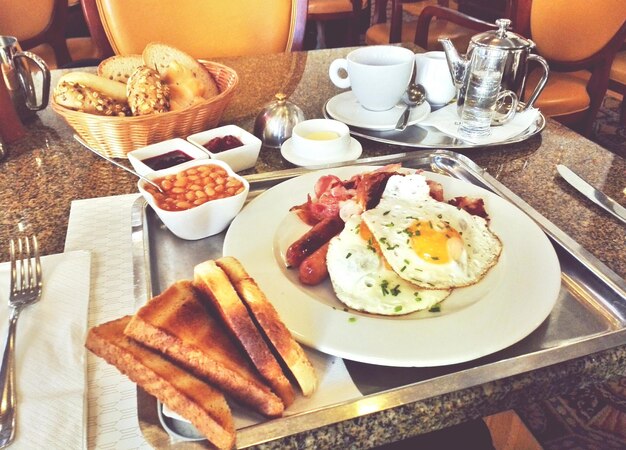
(434, 14)
(39, 26)
(579, 41)
(322, 11)
(207, 29)
(617, 79)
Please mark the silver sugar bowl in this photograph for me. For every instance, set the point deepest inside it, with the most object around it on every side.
(274, 123)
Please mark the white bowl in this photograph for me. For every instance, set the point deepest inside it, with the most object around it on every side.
(238, 158)
(200, 221)
(137, 157)
(320, 139)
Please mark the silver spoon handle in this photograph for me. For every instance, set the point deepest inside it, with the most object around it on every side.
(404, 118)
(112, 161)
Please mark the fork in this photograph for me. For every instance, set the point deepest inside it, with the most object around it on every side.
(26, 283)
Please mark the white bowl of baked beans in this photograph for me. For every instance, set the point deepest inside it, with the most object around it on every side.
(200, 198)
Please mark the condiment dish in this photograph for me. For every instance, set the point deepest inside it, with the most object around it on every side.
(164, 154)
(320, 140)
(238, 158)
(205, 219)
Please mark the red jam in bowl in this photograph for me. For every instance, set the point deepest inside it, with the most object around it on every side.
(169, 159)
(220, 144)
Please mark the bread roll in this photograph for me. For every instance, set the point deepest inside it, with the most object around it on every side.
(147, 94)
(109, 88)
(85, 99)
(186, 71)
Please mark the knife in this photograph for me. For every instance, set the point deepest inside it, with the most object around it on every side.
(602, 200)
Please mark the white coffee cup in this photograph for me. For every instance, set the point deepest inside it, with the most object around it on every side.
(378, 74)
(432, 72)
(320, 139)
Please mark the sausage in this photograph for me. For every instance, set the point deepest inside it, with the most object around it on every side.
(313, 269)
(313, 239)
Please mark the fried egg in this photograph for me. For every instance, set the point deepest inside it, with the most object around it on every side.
(362, 280)
(430, 243)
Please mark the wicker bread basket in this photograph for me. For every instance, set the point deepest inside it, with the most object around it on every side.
(116, 136)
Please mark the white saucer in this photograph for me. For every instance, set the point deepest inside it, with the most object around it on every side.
(287, 151)
(347, 109)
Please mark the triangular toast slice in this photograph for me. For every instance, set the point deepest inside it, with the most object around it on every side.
(216, 286)
(178, 324)
(204, 406)
(270, 323)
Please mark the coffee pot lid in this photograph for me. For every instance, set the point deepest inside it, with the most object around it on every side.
(502, 38)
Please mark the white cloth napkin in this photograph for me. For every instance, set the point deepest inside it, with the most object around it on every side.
(50, 354)
(447, 121)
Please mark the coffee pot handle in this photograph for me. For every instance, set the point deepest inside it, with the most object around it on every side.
(26, 80)
(542, 81)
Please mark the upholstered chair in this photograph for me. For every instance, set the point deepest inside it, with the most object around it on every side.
(40, 25)
(323, 11)
(206, 29)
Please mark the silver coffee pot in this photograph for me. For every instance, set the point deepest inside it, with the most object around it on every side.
(20, 72)
(518, 53)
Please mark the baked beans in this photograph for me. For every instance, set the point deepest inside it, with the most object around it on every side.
(193, 187)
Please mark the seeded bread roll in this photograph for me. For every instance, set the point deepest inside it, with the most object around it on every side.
(112, 89)
(119, 68)
(147, 94)
(85, 99)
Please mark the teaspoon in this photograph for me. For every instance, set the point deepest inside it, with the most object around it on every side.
(152, 183)
(415, 95)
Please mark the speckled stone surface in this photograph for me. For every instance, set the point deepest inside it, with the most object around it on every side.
(45, 171)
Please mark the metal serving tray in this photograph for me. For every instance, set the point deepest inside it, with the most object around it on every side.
(589, 316)
(417, 136)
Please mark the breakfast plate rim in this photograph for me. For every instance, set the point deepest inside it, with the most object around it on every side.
(521, 299)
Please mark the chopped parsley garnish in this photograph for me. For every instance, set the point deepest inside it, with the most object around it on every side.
(396, 290)
(348, 255)
(386, 212)
(398, 308)
(352, 319)
(435, 309)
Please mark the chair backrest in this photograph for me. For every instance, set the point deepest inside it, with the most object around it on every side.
(575, 35)
(36, 22)
(570, 30)
(204, 29)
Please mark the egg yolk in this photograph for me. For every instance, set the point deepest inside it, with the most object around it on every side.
(437, 243)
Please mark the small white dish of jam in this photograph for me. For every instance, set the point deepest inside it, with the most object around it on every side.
(231, 144)
(164, 155)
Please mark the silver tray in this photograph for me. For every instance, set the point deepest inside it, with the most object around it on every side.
(431, 138)
(589, 317)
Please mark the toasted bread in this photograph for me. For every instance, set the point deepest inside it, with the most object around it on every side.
(165, 59)
(214, 283)
(269, 321)
(177, 323)
(185, 394)
(119, 68)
